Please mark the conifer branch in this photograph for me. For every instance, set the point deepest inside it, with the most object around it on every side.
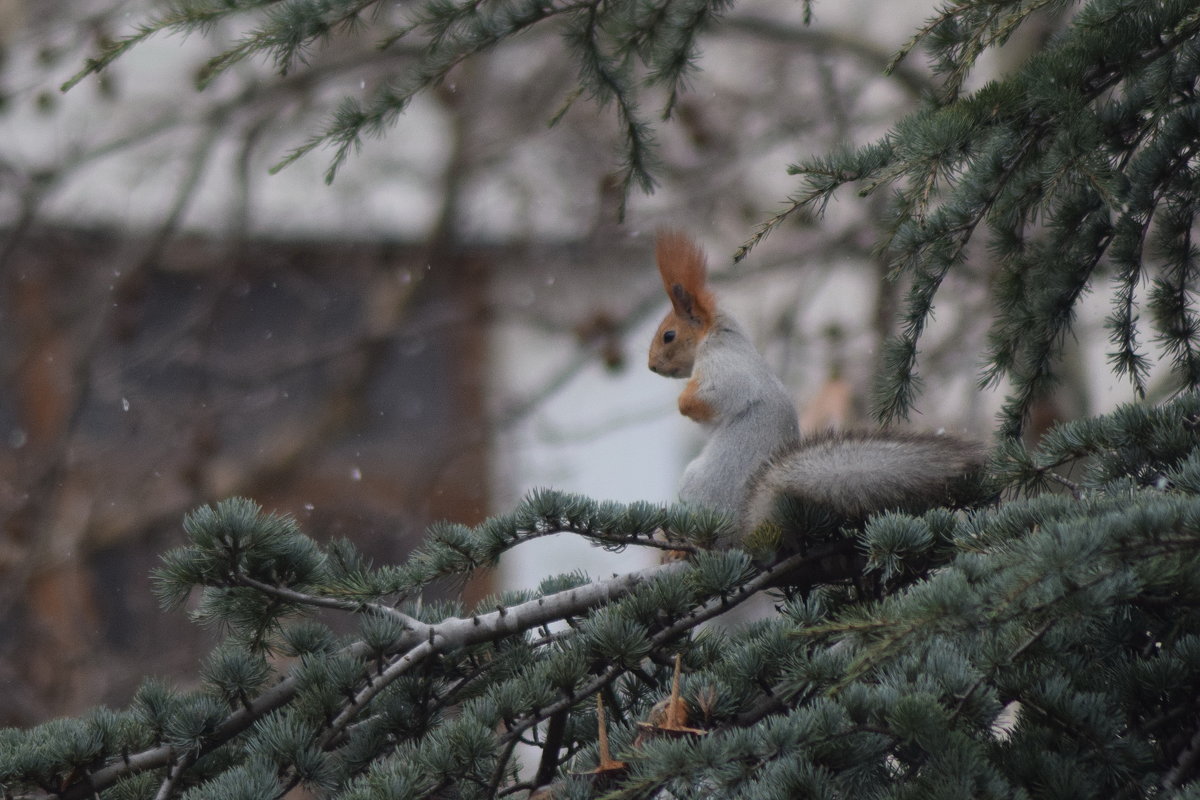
(930, 258)
(788, 569)
(183, 17)
(420, 629)
(449, 635)
(609, 79)
(281, 37)
(940, 168)
(1076, 489)
(175, 768)
(375, 684)
(980, 25)
(914, 81)
(1184, 766)
(1034, 637)
(164, 755)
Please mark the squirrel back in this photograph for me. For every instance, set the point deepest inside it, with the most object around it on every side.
(730, 388)
(846, 477)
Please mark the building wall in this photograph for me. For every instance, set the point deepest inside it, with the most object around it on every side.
(341, 383)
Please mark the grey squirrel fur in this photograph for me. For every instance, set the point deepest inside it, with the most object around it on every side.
(756, 416)
(853, 475)
(755, 463)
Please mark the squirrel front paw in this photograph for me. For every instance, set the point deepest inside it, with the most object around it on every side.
(691, 405)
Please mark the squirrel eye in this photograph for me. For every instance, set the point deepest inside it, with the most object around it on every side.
(668, 336)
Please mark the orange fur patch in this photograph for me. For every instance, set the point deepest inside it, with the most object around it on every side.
(691, 406)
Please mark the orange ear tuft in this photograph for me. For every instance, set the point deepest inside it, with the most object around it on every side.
(681, 263)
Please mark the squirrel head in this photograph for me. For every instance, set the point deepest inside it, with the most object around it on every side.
(681, 264)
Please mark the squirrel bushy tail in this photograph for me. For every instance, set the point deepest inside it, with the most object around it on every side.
(841, 479)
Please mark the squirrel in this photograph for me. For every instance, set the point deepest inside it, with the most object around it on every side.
(755, 465)
(730, 390)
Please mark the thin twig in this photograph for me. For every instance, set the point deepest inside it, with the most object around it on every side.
(318, 601)
(1013, 656)
(1076, 489)
(176, 769)
(374, 686)
(1184, 764)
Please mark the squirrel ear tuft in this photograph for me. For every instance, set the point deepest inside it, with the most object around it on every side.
(683, 303)
(681, 263)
